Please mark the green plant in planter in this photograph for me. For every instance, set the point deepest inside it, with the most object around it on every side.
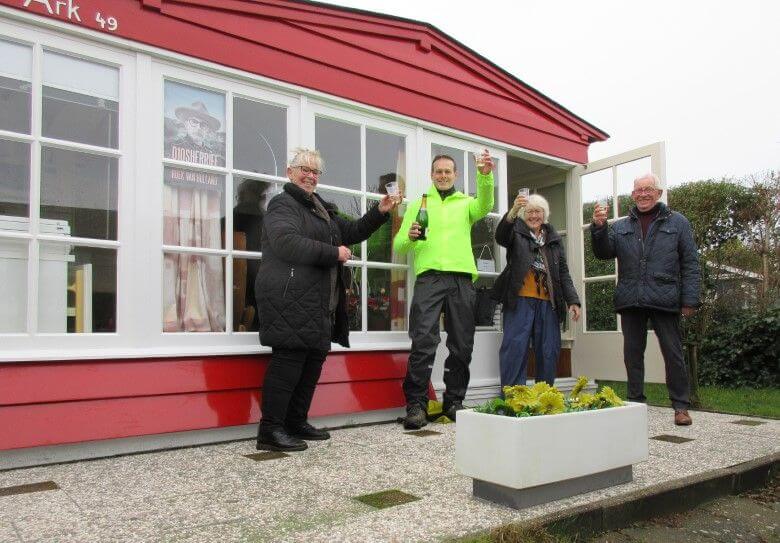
(542, 399)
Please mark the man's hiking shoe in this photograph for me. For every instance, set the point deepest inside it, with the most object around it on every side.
(415, 417)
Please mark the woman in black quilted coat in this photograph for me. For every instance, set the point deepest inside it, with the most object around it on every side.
(301, 297)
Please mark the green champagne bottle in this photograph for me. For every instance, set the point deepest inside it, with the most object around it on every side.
(422, 217)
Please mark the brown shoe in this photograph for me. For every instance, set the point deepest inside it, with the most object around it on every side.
(682, 418)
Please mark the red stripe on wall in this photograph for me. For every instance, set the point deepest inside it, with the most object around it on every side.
(69, 402)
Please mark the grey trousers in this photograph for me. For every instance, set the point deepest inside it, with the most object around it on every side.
(667, 328)
(456, 295)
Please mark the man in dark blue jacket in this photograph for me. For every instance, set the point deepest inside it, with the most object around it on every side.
(658, 279)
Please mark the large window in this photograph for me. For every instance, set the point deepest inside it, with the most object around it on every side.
(59, 187)
(611, 186)
(206, 248)
(359, 160)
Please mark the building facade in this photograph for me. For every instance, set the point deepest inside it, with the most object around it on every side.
(140, 141)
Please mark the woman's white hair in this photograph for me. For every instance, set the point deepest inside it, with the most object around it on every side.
(537, 201)
(306, 157)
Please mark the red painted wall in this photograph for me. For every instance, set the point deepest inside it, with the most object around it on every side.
(66, 402)
(403, 66)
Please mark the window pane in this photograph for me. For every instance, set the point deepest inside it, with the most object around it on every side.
(17, 60)
(81, 76)
(354, 299)
(599, 307)
(77, 289)
(483, 244)
(457, 155)
(15, 104)
(385, 160)
(193, 293)
(244, 304)
(626, 173)
(249, 205)
(81, 189)
(472, 176)
(556, 197)
(339, 144)
(484, 315)
(349, 208)
(79, 117)
(593, 266)
(259, 137)
(193, 208)
(194, 125)
(595, 186)
(13, 286)
(14, 182)
(380, 244)
(386, 299)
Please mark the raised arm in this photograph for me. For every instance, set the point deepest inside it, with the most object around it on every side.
(361, 229)
(483, 203)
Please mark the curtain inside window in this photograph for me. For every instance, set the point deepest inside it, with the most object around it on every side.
(193, 285)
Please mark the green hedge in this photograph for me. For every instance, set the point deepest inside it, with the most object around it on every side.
(743, 350)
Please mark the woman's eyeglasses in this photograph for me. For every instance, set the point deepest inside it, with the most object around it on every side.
(309, 171)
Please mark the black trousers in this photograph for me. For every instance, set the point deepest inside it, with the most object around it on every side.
(289, 385)
(667, 329)
(455, 294)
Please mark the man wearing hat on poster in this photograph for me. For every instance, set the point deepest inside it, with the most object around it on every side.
(198, 140)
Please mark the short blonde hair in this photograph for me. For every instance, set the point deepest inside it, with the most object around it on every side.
(306, 157)
(537, 201)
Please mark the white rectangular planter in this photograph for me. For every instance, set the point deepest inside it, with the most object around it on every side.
(520, 453)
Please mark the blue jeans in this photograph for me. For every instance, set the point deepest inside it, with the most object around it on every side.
(535, 318)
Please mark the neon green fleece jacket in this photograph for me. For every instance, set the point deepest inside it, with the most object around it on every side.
(448, 243)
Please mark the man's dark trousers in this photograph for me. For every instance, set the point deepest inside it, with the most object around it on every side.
(434, 291)
(667, 329)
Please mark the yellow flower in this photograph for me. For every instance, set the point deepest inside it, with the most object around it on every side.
(583, 401)
(582, 382)
(609, 397)
(551, 402)
(540, 388)
(520, 393)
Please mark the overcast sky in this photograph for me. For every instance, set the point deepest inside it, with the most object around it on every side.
(703, 76)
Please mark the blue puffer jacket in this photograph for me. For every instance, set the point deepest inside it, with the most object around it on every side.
(660, 272)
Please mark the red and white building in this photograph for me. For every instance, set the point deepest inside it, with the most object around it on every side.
(139, 142)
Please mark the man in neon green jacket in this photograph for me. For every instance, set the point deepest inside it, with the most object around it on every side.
(445, 270)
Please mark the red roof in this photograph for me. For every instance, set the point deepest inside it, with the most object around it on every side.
(400, 65)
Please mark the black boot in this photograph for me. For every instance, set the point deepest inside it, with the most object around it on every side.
(277, 439)
(415, 417)
(451, 410)
(308, 432)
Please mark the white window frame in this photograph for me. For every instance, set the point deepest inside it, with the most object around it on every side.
(656, 153)
(363, 337)
(32, 344)
(228, 341)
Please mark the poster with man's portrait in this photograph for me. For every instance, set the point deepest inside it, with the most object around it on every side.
(194, 125)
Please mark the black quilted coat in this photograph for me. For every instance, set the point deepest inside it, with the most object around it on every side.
(520, 245)
(293, 285)
(660, 271)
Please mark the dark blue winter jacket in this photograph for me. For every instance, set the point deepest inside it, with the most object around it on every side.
(660, 272)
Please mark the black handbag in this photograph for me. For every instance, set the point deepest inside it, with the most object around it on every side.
(485, 307)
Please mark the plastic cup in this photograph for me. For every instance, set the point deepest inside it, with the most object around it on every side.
(524, 192)
(479, 156)
(392, 189)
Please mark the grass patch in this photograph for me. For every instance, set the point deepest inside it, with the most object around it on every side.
(514, 533)
(756, 402)
(386, 498)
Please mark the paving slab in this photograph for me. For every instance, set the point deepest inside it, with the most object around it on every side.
(215, 493)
